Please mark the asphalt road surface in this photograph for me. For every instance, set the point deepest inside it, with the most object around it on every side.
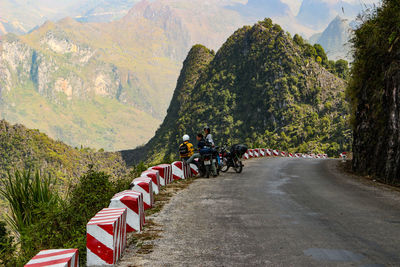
(279, 212)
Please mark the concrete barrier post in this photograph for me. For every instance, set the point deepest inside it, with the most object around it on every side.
(165, 172)
(55, 257)
(194, 170)
(155, 179)
(106, 237)
(133, 202)
(180, 170)
(144, 185)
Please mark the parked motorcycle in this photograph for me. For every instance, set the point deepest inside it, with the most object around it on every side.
(232, 158)
(205, 162)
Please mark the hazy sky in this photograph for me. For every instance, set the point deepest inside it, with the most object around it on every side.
(295, 4)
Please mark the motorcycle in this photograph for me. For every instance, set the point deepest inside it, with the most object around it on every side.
(232, 158)
(205, 162)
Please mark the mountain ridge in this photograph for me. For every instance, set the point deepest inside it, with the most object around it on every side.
(263, 88)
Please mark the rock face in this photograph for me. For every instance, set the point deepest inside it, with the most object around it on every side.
(375, 95)
(262, 88)
(335, 39)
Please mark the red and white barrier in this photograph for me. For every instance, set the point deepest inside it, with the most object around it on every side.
(283, 154)
(290, 155)
(194, 170)
(133, 202)
(55, 257)
(268, 152)
(181, 170)
(275, 153)
(145, 186)
(154, 175)
(246, 156)
(256, 153)
(262, 152)
(165, 171)
(106, 237)
(251, 153)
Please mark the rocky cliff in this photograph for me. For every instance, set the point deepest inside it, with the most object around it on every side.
(375, 94)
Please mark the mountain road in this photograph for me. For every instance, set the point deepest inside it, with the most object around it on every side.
(279, 212)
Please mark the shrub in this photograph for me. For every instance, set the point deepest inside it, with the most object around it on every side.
(7, 246)
(25, 193)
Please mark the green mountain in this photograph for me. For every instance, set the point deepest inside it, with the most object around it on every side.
(374, 94)
(23, 148)
(262, 88)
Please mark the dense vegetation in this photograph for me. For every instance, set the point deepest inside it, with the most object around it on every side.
(374, 93)
(263, 88)
(49, 202)
(22, 148)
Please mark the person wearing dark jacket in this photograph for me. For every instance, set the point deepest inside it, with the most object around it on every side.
(203, 148)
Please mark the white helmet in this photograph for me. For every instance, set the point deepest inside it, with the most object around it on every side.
(185, 138)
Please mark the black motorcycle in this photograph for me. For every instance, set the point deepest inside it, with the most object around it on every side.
(204, 164)
(232, 158)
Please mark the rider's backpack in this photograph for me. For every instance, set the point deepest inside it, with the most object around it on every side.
(184, 150)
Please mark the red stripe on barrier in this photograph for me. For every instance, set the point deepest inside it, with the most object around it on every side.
(48, 263)
(68, 251)
(107, 227)
(98, 248)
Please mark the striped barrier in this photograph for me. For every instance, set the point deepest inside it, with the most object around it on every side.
(154, 175)
(106, 237)
(145, 186)
(133, 202)
(251, 153)
(256, 153)
(55, 257)
(290, 155)
(165, 171)
(194, 170)
(181, 170)
(262, 152)
(283, 154)
(275, 153)
(246, 156)
(268, 152)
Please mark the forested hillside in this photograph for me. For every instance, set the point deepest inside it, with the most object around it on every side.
(263, 88)
(22, 148)
(375, 93)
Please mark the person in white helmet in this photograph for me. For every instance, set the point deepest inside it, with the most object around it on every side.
(186, 149)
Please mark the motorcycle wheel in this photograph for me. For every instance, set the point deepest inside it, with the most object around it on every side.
(238, 166)
(225, 166)
(208, 171)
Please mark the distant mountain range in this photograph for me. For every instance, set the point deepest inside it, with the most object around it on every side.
(105, 85)
(335, 39)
